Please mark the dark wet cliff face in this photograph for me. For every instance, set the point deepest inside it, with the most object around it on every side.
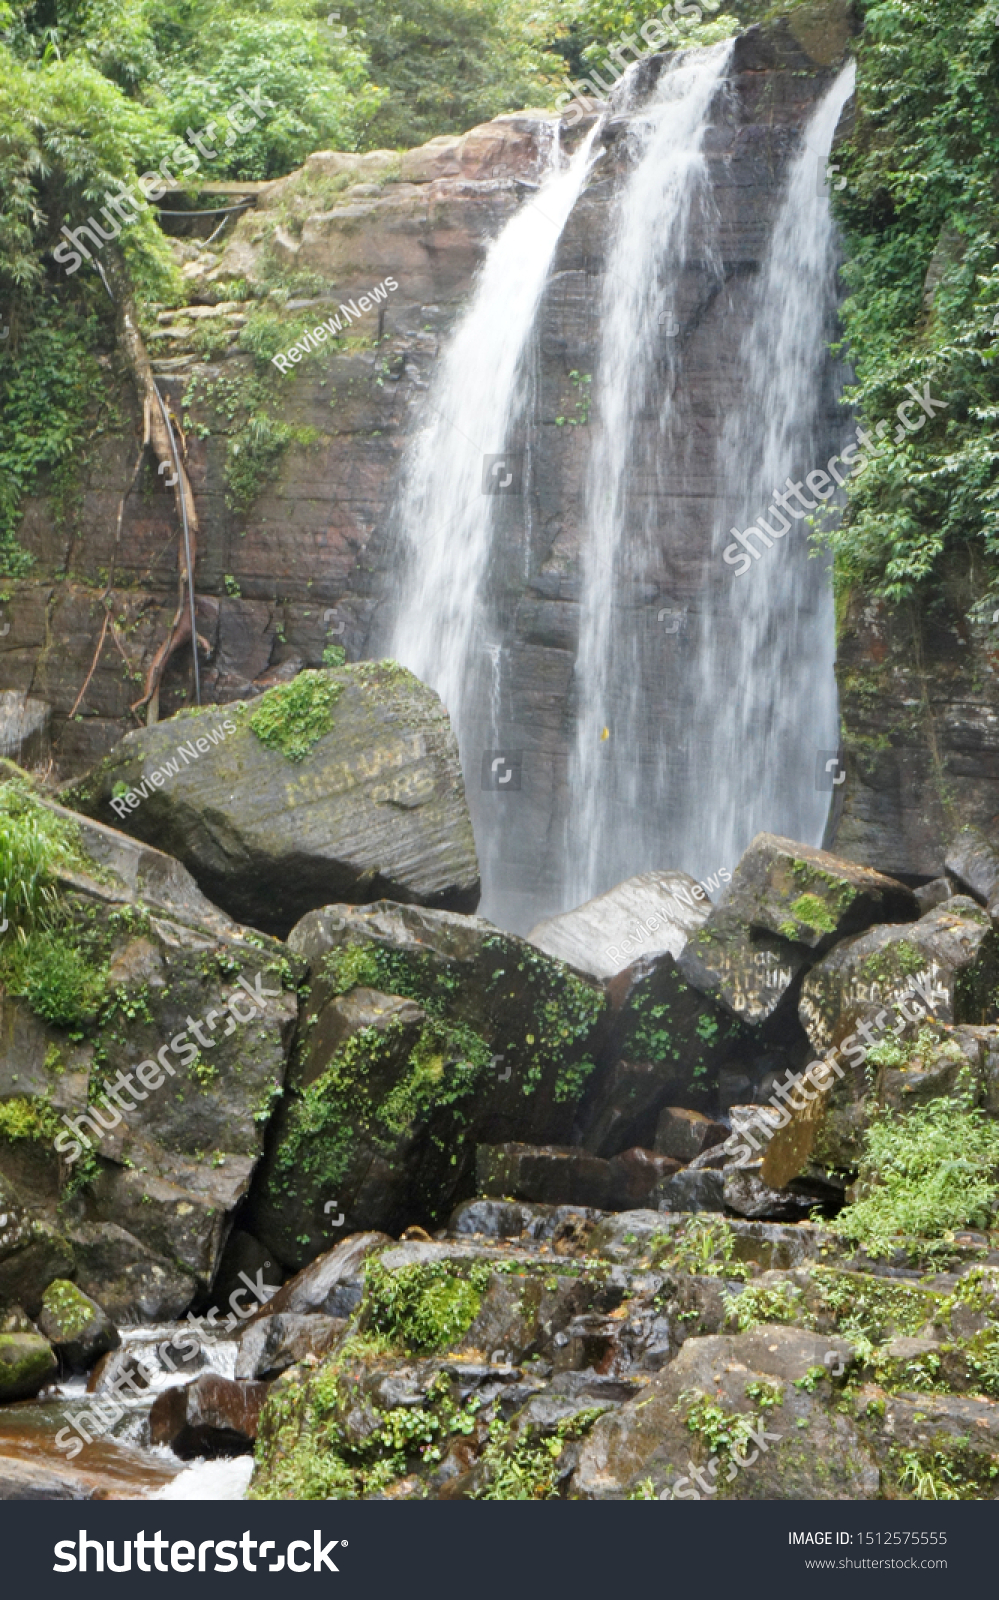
(311, 560)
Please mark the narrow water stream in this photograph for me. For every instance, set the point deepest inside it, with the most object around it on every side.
(118, 1460)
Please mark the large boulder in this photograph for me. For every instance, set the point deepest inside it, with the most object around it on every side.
(425, 1034)
(138, 985)
(131, 1281)
(566, 1175)
(783, 1438)
(275, 1343)
(340, 785)
(952, 950)
(331, 1284)
(645, 915)
(786, 904)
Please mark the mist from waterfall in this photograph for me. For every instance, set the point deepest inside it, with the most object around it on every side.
(615, 827)
(765, 715)
(446, 508)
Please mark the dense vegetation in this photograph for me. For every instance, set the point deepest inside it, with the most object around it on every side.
(920, 212)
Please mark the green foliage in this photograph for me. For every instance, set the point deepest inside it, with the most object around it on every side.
(921, 197)
(450, 64)
(811, 911)
(366, 1089)
(723, 1432)
(48, 378)
(59, 980)
(318, 84)
(759, 1303)
(34, 842)
(425, 1306)
(921, 1176)
(704, 1246)
(527, 1467)
(293, 717)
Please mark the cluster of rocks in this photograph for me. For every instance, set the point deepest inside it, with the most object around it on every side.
(410, 1056)
(533, 1351)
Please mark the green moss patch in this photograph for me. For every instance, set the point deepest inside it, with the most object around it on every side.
(66, 1309)
(293, 717)
(33, 1120)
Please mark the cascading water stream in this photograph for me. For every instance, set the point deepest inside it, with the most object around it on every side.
(614, 832)
(445, 509)
(765, 693)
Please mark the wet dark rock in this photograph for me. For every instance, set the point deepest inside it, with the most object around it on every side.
(973, 861)
(375, 809)
(692, 1190)
(129, 1280)
(665, 1045)
(169, 1173)
(34, 1255)
(634, 1174)
(933, 894)
(953, 948)
(746, 1193)
(549, 1174)
(274, 1343)
(787, 903)
(423, 1030)
(243, 1257)
(76, 1326)
(686, 1135)
(210, 1417)
(822, 1459)
(29, 1480)
(331, 1284)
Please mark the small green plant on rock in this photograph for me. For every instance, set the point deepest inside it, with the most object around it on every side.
(425, 1306)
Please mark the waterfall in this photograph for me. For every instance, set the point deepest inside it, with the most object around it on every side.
(615, 829)
(765, 716)
(449, 494)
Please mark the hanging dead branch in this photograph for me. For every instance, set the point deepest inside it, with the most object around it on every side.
(169, 461)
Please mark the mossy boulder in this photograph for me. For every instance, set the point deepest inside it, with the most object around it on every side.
(76, 1326)
(26, 1365)
(119, 964)
(953, 949)
(340, 785)
(786, 904)
(425, 1034)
